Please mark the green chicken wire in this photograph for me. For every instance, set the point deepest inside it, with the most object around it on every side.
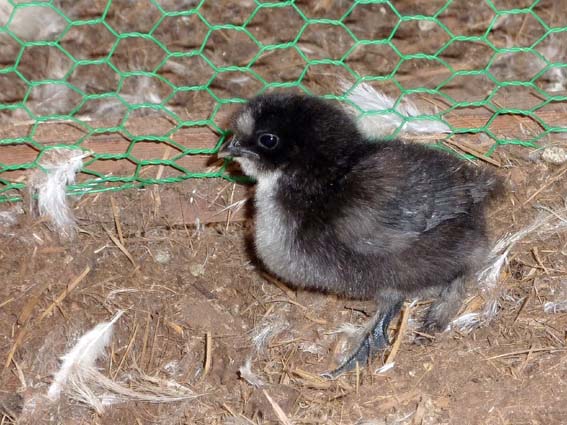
(203, 30)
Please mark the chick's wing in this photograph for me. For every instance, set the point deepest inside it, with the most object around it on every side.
(390, 200)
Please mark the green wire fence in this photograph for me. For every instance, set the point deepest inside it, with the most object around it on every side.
(111, 71)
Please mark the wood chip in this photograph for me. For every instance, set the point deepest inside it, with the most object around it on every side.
(15, 346)
(400, 335)
(208, 354)
(419, 412)
(311, 380)
(178, 329)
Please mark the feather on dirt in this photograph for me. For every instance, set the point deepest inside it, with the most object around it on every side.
(80, 379)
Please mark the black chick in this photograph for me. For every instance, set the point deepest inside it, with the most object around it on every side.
(365, 219)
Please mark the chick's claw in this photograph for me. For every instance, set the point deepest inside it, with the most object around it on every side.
(380, 330)
(376, 340)
(361, 356)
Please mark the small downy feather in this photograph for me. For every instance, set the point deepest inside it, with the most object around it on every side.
(374, 124)
(49, 183)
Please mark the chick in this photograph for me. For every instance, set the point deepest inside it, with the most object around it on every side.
(364, 219)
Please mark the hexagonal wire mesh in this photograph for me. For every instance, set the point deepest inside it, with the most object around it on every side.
(146, 83)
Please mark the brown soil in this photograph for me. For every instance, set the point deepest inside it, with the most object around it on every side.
(187, 282)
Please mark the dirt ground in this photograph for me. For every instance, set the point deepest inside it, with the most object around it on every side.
(183, 285)
(197, 307)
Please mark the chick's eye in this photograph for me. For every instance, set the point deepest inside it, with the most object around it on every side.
(268, 140)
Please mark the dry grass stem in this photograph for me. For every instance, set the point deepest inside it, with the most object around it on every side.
(277, 409)
(65, 293)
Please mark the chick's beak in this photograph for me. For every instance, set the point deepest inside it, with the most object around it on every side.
(235, 149)
(230, 148)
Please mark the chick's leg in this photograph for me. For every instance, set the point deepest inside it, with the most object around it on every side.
(445, 307)
(375, 339)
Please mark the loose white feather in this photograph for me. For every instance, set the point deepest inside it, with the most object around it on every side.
(82, 356)
(97, 391)
(266, 331)
(555, 307)
(246, 373)
(41, 21)
(559, 302)
(32, 23)
(488, 277)
(372, 122)
(385, 368)
(9, 217)
(467, 322)
(351, 330)
(82, 381)
(49, 183)
(311, 348)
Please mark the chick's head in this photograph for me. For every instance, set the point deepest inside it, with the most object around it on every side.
(289, 133)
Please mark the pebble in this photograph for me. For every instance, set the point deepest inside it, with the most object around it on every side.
(426, 25)
(554, 155)
(162, 257)
(197, 270)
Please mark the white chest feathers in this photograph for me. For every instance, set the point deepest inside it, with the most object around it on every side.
(276, 232)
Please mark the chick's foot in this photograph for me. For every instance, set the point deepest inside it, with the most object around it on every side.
(375, 340)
